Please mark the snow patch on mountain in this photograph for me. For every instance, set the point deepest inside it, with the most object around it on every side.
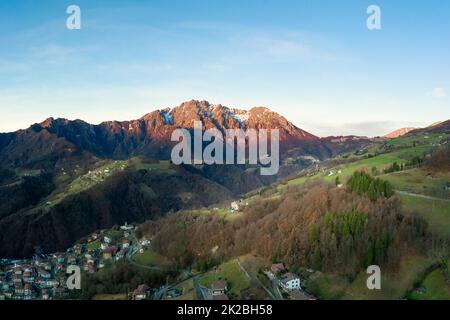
(241, 116)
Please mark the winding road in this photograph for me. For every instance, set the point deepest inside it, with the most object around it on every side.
(406, 193)
(257, 281)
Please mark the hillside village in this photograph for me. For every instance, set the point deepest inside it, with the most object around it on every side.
(44, 277)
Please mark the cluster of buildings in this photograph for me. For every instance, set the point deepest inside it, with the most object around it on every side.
(44, 277)
(36, 278)
(96, 175)
(287, 281)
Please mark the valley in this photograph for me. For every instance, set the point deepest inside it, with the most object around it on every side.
(337, 205)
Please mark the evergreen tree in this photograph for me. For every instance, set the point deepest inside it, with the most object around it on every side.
(362, 183)
(338, 181)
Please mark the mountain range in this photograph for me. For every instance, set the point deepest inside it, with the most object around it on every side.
(150, 135)
(62, 179)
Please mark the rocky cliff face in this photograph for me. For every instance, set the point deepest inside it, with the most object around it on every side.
(150, 135)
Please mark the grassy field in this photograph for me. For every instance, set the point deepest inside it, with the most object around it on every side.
(110, 297)
(422, 139)
(232, 273)
(223, 211)
(418, 181)
(346, 170)
(150, 258)
(393, 285)
(404, 150)
(327, 286)
(435, 212)
(188, 290)
(436, 287)
(27, 172)
(94, 245)
(139, 164)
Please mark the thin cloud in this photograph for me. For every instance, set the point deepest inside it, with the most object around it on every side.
(366, 128)
(282, 49)
(438, 93)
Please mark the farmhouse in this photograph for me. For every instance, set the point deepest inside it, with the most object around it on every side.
(234, 206)
(219, 288)
(141, 292)
(290, 281)
(277, 269)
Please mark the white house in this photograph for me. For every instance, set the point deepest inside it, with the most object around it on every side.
(290, 282)
(234, 206)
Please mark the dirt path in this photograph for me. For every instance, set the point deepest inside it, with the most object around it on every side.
(406, 193)
(256, 280)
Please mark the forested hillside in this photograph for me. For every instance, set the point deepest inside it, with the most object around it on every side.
(320, 226)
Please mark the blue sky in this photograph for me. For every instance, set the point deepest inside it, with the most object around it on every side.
(315, 62)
